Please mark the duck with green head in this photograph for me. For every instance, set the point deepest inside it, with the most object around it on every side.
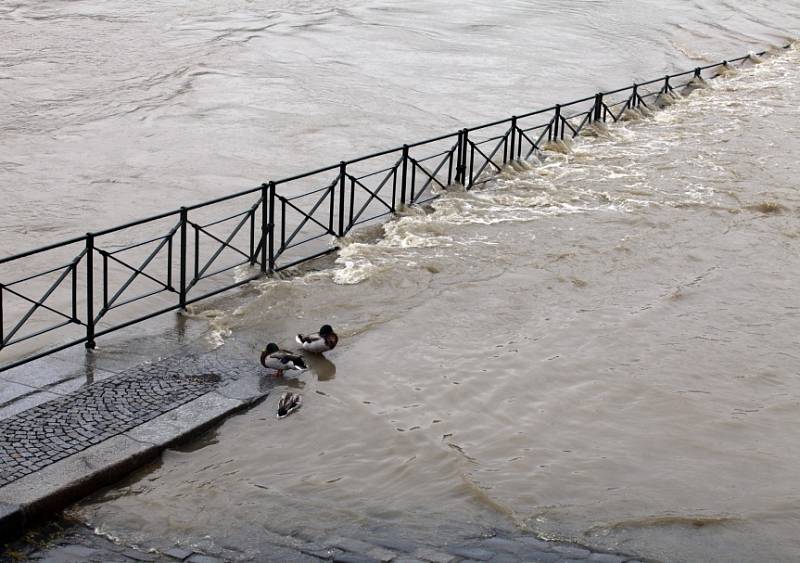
(281, 360)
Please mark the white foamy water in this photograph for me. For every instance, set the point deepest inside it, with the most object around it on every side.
(598, 345)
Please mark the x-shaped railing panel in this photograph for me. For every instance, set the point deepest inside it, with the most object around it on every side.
(201, 272)
(474, 147)
(432, 177)
(66, 270)
(286, 242)
(391, 173)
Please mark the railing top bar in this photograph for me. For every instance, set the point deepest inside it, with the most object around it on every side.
(492, 124)
(223, 198)
(42, 249)
(373, 155)
(136, 223)
(433, 140)
(654, 81)
(537, 112)
(617, 91)
(707, 67)
(582, 100)
(307, 174)
(680, 74)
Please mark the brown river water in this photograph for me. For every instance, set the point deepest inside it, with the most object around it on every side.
(601, 345)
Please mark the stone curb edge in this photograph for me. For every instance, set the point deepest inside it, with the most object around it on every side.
(42, 494)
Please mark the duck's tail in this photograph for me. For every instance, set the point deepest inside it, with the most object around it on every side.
(299, 339)
(299, 364)
(289, 403)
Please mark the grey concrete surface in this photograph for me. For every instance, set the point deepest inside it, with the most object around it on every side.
(60, 450)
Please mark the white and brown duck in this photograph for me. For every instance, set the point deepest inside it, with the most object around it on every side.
(319, 342)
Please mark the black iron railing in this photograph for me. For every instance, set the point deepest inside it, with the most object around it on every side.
(114, 278)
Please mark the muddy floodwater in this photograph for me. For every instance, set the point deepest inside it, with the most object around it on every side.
(600, 345)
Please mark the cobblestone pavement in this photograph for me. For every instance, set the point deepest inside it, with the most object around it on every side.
(61, 542)
(46, 433)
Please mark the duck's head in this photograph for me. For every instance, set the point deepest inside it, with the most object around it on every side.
(272, 348)
(325, 330)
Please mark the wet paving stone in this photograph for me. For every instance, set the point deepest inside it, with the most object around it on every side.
(605, 558)
(51, 431)
(474, 553)
(572, 552)
(178, 554)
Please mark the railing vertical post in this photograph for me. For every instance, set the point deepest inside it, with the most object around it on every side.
(342, 185)
(352, 201)
(666, 84)
(598, 106)
(269, 241)
(331, 210)
(105, 279)
(467, 178)
(404, 177)
(513, 137)
(634, 100)
(556, 122)
(252, 253)
(74, 299)
(460, 158)
(182, 289)
(90, 343)
(264, 226)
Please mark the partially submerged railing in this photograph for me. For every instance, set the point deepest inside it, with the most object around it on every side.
(166, 262)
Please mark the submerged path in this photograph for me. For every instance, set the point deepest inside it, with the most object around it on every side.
(65, 543)
(63, 449)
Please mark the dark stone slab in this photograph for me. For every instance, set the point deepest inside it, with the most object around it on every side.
(79, 550)
(198, 558)
(139, 556)
(536, 543)
(572, 552)
(434, 556)
(477, 553)
(606, 558)
(505, 558)
(354, 558)
(503, 544)
(543, 557)
(178, 553)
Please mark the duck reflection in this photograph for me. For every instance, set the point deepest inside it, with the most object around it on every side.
(322, 366)
(269, 382)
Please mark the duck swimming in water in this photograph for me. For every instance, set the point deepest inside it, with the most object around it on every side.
(289, 403)
(319, 342)
(280, 360)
